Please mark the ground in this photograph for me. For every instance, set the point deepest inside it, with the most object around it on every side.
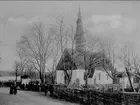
(28, 98)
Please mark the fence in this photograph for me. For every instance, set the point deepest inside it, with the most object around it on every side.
(94, 97)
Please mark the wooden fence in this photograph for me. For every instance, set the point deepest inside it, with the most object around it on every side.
(94, 97)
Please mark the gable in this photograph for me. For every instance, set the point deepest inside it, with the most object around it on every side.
(66, 62)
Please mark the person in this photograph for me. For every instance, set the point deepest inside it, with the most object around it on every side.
(46, 87)
(15, 88)
(11, 88)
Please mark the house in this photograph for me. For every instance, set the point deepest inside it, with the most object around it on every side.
(124, 81)
(25, 79)
(74, 63)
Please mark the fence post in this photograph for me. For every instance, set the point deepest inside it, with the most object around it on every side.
(88, 98)
(75, 95)
(121, 98)
(95, 95)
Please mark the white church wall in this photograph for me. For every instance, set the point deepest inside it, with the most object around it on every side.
(76, 74)
(91, 81)
(60, 77)
(103, 78)
(80, 76)
(73, 78)
(100, 77)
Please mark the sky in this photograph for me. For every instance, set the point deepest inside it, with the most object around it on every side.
(119, 19)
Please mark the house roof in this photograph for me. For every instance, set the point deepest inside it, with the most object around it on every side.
(72, 59)
(25, 76)
(123, 74)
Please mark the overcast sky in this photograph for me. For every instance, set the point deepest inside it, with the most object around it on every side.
(118, 19)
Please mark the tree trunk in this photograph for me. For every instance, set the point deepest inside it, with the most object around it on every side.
(16, 75)
(86, 81)
(129, 78)
(21, 75)
(41, 78)
(115, 80)
(20, 79)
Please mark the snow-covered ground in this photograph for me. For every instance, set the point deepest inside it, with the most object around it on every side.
(28, 98)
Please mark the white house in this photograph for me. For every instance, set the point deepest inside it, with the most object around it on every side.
(124, 80)
(26, 81)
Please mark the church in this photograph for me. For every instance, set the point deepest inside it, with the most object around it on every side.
(77, 64)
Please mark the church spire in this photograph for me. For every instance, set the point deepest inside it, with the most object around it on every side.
(79, 14)
(79, 34)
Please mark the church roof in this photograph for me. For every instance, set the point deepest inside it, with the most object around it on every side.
(66, 62)
(77, 59)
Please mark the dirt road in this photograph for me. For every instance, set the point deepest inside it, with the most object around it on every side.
(28, 98)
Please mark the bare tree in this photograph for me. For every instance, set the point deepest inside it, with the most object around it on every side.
(127, 57)
(37, 45)
(59, 31)
(136, 67)
(91, 57)
(109, 49)
(17, 71)
(86, 58)
(23, 57)
(30, 71)
(68, 73)
(135, 61)
(135, 64)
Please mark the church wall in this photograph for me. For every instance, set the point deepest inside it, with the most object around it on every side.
(99, 77)
(80, 76)
(59, 77)
(76, 74)
(102, 77)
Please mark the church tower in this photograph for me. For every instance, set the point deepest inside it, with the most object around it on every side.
(79, 34)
